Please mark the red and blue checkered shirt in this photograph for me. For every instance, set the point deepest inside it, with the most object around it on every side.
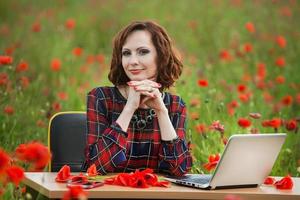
(113, 150)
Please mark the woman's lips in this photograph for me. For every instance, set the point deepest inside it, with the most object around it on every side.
(135, 71)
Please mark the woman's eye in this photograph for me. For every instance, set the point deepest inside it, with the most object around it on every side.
(125, 53)
(143, 51)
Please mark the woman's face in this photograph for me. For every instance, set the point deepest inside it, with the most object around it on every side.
(139, 56)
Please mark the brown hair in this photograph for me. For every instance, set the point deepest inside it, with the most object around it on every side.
(168, 64)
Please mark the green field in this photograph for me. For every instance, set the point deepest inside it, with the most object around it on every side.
(248, 69)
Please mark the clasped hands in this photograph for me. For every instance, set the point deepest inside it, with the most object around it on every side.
(145, 93)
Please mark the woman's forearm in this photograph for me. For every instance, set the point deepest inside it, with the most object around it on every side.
(167, 130)
(125, 118)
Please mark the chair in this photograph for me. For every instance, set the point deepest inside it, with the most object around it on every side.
(67, 140)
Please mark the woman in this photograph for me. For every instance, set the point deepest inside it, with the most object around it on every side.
(135, 125)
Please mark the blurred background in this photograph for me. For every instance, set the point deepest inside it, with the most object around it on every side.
(241, 66)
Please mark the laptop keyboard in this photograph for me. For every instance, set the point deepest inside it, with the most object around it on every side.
(197, 178)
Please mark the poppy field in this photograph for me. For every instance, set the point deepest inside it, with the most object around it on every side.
(241, 67)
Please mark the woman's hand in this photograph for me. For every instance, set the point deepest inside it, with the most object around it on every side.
(150, 94)
(133, 99)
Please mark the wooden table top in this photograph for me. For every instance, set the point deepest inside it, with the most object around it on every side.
(44, 183)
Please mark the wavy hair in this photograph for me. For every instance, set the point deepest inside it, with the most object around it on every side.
(169, 65)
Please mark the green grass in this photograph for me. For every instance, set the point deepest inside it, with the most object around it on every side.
(199, 29)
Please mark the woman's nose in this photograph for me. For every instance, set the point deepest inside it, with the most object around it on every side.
(133, 60)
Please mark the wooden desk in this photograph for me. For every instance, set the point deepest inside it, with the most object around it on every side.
(44, 183)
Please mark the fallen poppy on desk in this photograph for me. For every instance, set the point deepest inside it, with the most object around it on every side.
(286, 183)
(64, 174)
(269, 181)
(79, 179)
(92, 170)
(138, 179)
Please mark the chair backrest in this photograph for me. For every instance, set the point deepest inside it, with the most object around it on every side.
(67, 140)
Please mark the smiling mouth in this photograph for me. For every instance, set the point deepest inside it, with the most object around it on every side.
(135, 71)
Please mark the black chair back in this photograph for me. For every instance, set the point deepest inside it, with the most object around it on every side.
(67, 140)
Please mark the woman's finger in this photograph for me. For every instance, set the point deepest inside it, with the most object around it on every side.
(148, 94)
(144, 88)
(145, 83)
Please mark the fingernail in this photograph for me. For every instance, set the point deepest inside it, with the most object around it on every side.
(158, 84)
(129, 83)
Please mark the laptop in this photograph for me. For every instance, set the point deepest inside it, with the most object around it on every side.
(246, 161)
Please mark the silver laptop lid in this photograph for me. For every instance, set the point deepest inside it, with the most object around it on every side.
(247, 159)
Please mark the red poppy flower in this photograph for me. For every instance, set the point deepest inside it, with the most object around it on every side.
(4, 160)
(244, 97)
(248, 47)
(225, 55)
(280, 79)
(139, 179)
(22, 66)
(15, 174)
(35, 153)
(280, 40)
(64, 174)
(212, 162)
(267, 97)
(287, 100)
(92, 170)
(77, 51)
(200, 128)
(41, 123)
(90, 59)
(224, 140)
(3, 79)
(9, 110)
(139, 182)
(195, 102)
(291, 125)
(275, 123)
(255, 115)
(75, 192)
(36, 27)
(261, 71)
(231, 107)
(100, 58)
(216, 125)
(244, 123)
(56, 106)
(285, 11)
(241, 88)
(5, 60)
(194, 115)
(24, 81)
(70, 24)
(250, 27)
(62, 96)
(202, 83)
(269, 181)
(233, 104)
(280, 62)
(55, 65)
(79, 179)
(286, 183)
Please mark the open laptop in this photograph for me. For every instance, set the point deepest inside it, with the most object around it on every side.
(246, 161)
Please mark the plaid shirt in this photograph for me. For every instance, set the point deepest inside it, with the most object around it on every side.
(113, 150)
